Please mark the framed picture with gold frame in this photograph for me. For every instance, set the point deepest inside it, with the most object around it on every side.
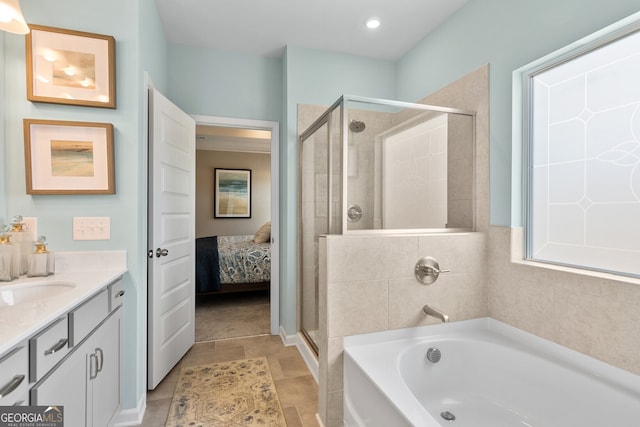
(64, 157)
(70, 67)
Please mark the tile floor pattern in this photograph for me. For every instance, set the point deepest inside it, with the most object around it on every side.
(232, 315)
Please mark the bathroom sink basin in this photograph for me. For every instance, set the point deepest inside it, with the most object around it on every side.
(33, 292)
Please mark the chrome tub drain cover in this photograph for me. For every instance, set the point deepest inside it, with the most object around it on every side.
(448, 416)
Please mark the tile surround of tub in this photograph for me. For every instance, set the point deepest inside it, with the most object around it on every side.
(596, 316)
(386, 294)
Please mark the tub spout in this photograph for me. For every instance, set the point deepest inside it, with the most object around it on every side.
(430, 311)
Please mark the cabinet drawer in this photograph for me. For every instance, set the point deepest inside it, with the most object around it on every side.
(116, 294)
(14, 377)
(85, 318)
(47, 348)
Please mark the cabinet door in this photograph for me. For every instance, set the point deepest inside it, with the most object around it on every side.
(65, 386)
(103, 381)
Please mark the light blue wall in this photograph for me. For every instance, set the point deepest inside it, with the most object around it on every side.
(153, 45)
(214, 83)
(139, 46)
(507, 34)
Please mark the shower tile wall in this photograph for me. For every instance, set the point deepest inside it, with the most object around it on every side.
(370, 286)
(415, 175)
(461, 172)
(361, 180)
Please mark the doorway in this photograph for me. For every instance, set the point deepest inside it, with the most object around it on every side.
(248, 146)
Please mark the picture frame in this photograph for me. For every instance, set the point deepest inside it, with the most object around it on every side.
(64, 157)
(70, 67)
(232, 193)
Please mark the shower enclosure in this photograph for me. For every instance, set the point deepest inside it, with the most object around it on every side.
(380, 166)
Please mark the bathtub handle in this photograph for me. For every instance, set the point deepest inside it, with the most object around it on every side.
(428, 270)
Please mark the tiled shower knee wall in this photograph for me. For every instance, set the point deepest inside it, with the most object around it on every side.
(367, 284)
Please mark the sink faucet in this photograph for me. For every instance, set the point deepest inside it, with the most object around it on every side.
(430, 311)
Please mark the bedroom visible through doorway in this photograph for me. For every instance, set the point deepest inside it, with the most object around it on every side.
(233, 232)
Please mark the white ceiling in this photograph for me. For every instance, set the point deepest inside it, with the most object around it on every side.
(265, 27)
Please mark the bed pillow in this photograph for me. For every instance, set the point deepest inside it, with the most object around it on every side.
(263, 234)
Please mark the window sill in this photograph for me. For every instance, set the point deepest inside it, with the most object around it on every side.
(517, 257)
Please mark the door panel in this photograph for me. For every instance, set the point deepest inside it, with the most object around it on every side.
(171, 287)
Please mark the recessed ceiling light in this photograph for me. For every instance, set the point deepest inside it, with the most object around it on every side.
(373, 23)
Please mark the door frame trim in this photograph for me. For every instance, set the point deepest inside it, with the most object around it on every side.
(274, 127)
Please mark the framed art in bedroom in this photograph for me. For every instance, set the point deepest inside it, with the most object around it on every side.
(232, 193)
(70, 67)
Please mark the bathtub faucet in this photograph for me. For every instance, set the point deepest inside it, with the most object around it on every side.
(430, 311)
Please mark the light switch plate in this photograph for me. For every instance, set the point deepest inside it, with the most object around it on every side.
(91, 228)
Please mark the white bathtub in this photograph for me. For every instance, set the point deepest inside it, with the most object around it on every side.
(489, 375)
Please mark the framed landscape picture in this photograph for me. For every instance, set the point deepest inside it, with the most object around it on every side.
(70, 67)
(68, 157)
(232, 193)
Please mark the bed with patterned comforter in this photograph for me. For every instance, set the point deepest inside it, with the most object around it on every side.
(231, 260)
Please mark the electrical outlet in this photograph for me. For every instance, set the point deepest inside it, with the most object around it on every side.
(91, 228)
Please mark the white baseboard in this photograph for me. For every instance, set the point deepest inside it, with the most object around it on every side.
(305, 351)
(133, 416)
(287, 340)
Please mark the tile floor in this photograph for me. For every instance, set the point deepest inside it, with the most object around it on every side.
(232, 315)
(297, 390)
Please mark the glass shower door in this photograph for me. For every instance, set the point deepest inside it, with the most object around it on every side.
(320, 210)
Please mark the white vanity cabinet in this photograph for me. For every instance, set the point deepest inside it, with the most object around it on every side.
(103, 373)
(87, 380)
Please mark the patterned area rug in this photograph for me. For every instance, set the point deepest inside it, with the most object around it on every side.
(228, 394)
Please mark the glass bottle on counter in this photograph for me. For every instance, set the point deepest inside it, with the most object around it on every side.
(23, 238)
(40, 262)
(10, 258)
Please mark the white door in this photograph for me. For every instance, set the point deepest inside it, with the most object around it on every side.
(171, 268)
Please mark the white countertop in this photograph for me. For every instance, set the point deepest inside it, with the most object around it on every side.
(89, 271)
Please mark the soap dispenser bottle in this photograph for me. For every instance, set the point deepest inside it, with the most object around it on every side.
(23, 238)
(10, 258)
(40, 262)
